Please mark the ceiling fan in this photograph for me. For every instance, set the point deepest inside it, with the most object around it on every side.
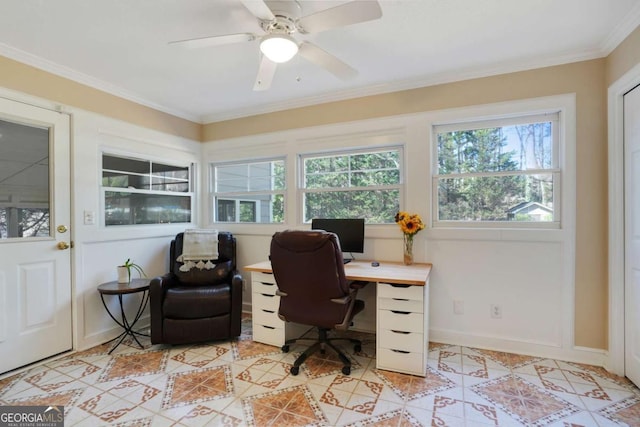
(280, 20)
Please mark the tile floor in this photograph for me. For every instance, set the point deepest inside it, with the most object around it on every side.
(244, 383)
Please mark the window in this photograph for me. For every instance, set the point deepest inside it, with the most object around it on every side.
(502, 171)
(359, 184)
(140, 191)
(249, 191)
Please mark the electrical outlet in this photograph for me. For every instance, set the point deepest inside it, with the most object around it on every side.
(496, 311)
(458, 307)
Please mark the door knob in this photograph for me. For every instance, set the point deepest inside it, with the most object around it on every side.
(63, 245)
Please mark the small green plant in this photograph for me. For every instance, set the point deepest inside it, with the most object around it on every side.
(128, 264)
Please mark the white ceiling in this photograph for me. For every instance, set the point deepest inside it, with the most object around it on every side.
(121, 46)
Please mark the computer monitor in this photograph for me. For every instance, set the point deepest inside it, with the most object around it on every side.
(350, 231)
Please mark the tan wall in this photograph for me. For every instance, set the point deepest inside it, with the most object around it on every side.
(24, 78)
(585, 79)
(624, 57)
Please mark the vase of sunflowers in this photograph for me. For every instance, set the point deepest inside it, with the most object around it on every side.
(410, 224)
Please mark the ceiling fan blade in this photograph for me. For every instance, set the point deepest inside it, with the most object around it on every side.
(259, 9)
(215, 40)
(339, 16)
(314, 54)
(265, 74)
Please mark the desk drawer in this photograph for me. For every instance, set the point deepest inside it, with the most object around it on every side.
(265, 301)
(412, 363)
(268, 334)
(263, 288)
(411, 292)
(262, 277)
(407, 341)
(400, 321)
(267, 317)
(399, 304)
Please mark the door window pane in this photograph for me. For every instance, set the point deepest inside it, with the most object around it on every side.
(24, 180)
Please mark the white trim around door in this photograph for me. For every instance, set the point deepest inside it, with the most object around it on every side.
(616, 93)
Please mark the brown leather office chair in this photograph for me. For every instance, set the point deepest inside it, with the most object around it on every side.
(309, 271)
(200, 304)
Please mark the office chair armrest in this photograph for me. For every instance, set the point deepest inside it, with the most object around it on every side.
(281, 294)
(344, 300)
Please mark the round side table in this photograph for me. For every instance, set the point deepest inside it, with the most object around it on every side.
(120, 289)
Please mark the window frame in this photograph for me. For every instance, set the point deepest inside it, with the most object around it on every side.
(302, 190)
(554, 115)
(136, 157)
(237, 196)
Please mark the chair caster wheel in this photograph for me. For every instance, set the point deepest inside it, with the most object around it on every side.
(294, 370)
(346, 370)
(357, 348)
(285, 348)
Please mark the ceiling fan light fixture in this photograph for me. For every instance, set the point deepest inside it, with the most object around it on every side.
(278, 48)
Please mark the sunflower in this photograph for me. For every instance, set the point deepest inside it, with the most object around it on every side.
(410, 224)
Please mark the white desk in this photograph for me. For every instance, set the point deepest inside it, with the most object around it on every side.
(402, 311)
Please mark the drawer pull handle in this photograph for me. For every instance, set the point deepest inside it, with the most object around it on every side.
(400, 351)
(400, 312)
(267, 295)
(268, 327)
(400, 332)
(268, 311)
(397, 285)
(400, 299)
(267, 284)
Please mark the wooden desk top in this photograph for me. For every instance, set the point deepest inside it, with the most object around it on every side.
(388, 272)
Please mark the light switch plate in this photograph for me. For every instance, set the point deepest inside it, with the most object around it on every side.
(89, 218)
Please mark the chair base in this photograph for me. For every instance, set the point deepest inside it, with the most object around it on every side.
(321, 344)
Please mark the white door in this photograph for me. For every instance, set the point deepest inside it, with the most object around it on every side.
(632, 233)
(35, 262)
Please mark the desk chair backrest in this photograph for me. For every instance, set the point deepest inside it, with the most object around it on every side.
(308, 268)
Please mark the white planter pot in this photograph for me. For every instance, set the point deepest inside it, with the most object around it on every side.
(123, 274)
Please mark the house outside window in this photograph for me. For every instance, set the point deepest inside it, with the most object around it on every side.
(354, 184)
(249, 192)
(138, 191)
(502, 172)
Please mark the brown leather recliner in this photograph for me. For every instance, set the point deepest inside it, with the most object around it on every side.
(309, 271)
(198, 305)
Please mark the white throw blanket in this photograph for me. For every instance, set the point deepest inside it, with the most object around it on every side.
(199, 248)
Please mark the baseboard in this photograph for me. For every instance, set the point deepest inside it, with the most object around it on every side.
(105, 335)
(586, 355)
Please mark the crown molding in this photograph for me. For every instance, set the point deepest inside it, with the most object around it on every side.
(630, 22)
(84, 79)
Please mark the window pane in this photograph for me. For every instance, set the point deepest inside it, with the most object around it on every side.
(226, 210)
(353, 170)
(140, 208)
(124, 180)
(167, 184)
(259, 176)
(125, 164)
(251, 192)
(247, 211)
(497, 198)
(506, 148)
(24, 181)
(268, 208)
(377, 206)
(169, 171)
